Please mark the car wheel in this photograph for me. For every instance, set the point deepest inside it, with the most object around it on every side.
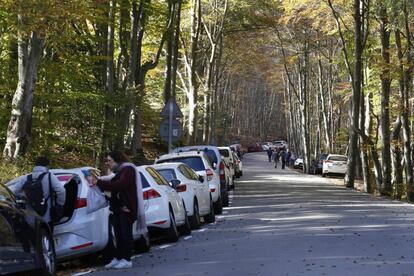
(143, 245)
(218, 206)
(195, 218)
(172, 231)
(323, 175)
(226, 201)
(46, 255)
(186, 228)
(210, 218)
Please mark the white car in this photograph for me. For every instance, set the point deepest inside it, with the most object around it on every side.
(238, 170)
(280, 144)
(164, 208)
(199, 162)
(335, 164)
(298, 163)
(192, 189)
(227, 155)
(79, 233)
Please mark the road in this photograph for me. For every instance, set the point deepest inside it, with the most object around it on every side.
(282, 222)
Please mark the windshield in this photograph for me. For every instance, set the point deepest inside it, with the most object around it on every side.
(196, 163)
(168, 174)
(338, 158)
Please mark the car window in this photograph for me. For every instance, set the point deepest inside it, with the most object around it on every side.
(168, 174)
(184, 172)
(6, 195)
(338, 158)
(193, 162)
(192, 173)
(224, 152)
(144, 181)
(211, 155)
(157, 177)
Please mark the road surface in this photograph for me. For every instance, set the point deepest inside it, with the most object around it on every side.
(282, 222)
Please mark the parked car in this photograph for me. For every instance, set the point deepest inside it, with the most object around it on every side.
(193, 190)
(200, 163)
(335, 164)
(79, 233)
(227, 155)
(280, 144)
(298, 163)
(238, 169)
(256, 147)
(26, 242)
(316, 166)
(218, 166)
(164, 208)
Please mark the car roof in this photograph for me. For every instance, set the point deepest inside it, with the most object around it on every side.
(224, 147)
(181, 154)
(172, 165)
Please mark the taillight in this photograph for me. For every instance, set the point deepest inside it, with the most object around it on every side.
(80, 203)
(209, 174)
(151, 194)
(212, 190)
(181, 188)
(222, 175)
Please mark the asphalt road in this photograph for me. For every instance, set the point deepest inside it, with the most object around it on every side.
(282, 222)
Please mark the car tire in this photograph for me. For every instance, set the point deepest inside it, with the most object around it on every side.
(211, 217)
(172, 234)
(143, 245)
(218, 206)
(323, 175)
(186, 228)
(45, 254)
(195, 218)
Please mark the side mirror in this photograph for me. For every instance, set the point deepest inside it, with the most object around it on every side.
(175, 183)
(201, 178)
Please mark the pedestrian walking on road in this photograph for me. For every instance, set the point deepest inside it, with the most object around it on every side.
(269, 154)
(275, 157)
(43, 191)
(283, 158)
(288, 156)
(126, 203)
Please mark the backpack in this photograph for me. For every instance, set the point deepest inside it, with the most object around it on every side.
(33, 189)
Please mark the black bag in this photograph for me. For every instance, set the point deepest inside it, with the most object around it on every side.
(56, 210)
(34, 193)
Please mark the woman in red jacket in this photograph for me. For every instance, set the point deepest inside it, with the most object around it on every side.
(123, 204)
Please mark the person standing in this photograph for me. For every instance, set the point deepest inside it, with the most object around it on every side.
(126, 203)
(269, 154)
(275, 157)
(283, 158)
(43, 191)
(288, 156)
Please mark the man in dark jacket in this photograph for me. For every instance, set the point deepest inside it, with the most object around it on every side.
(269, 154)
(283, 158)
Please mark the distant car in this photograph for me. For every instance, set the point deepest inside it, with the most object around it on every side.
(298, 163)
(192, 189)
(78, 233)
(227, 155)
(164, 208)
(254, 147)
(200, 163)
(280, 144)
(238, 169)
(219, 167)
(316, 167)
(335, 164)
(26, 242)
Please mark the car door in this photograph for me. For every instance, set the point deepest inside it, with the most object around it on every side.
(16, 235)
(194, 182)
(203, 191)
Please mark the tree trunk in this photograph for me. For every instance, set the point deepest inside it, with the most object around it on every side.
(20, 124)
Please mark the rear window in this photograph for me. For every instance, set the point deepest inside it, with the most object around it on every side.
(144, 181)
(168, 174)
(211, 155)
(196, 163)
(224, 153)
(338, 158)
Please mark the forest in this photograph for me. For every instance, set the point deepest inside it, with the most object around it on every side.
(80, 77)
